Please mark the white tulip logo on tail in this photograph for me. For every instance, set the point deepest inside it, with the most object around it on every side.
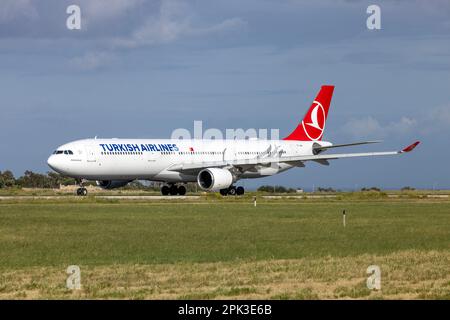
(314, 128)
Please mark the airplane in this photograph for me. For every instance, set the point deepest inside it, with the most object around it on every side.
(215, 165)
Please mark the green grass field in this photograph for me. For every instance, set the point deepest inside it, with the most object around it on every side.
(280, 249)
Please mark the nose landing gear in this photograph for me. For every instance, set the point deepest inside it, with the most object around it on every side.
(81, 191)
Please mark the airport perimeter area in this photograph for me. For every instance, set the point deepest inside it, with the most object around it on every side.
(208, 247)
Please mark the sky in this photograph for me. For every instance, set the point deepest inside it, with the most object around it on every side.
(140, 69)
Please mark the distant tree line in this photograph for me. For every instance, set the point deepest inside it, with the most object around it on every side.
(276, 189)
(371, 189)
(7, 179)
(322, 189)
(54, 180)
(31, 179)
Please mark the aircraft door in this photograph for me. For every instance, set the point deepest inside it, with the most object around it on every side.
(229, 154)
(152, 156)
(90, 154)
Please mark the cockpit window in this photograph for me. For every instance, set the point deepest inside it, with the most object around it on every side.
(63, 152)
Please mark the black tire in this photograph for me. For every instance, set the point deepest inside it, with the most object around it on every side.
(181, 190)
(173, 190)
(165, 190)
(232, 191)
(240, 191)
(84, 192)
(79, 192)
(223, 192)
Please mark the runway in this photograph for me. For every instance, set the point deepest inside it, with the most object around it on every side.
(194, 197)
(99, 197)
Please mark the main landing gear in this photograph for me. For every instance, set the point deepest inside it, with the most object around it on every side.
(81, 191)
(173, 190)
(232, 191)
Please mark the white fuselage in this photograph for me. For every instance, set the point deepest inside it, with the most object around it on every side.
(150, 159)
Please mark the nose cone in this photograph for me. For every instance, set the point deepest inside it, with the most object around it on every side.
(53, 163)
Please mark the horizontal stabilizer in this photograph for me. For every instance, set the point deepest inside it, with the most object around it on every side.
(320, 148)
(323, 162)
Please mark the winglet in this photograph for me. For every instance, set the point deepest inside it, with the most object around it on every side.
(411, 147)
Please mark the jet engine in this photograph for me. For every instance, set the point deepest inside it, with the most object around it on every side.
(214, 179)
(112, 184)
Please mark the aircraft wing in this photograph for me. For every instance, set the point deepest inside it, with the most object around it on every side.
(295, 160)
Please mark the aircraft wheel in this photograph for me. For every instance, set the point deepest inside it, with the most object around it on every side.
(232, 190)
(223, 192)
(181, 190)
(240, 191)
(82, 192)
(173, 190)
(165, 190)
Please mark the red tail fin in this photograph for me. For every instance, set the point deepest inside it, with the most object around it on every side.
(313, 124)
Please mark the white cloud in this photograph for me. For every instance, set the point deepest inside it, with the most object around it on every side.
(436, 120)
(91, 61)
(226, 25)
(362, 127)
(440, 115)
(404, 126)
(174, 20)
(371, 127)
(171, 21)
(107, 9)
(10, 9)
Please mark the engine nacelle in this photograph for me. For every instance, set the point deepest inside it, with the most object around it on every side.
(111, 184)
(214, 179)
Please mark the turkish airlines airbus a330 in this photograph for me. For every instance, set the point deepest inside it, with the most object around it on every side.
(214, 164)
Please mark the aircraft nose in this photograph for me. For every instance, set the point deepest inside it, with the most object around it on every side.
(52, 162)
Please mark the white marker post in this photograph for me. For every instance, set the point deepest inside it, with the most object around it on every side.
(254, 201)
(343, 217)
(73, 281)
